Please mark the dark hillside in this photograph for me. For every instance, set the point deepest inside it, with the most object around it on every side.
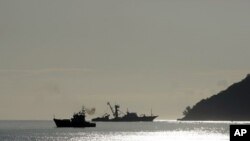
(230, 104)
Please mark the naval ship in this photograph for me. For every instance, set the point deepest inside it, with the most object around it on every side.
(78, 120)
(119, 116)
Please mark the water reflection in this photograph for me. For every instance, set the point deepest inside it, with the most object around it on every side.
(154, 136)
(139, 131)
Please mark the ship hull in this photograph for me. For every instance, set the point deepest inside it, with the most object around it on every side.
(138, 119)
(68, 123)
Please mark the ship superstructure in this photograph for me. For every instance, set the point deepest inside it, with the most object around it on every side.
(119, 116)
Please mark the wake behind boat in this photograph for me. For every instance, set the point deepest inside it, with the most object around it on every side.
(128, 117)
(78, 120)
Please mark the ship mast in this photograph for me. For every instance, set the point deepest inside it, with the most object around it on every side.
(115, 113)
(116, 110)
(112, 110)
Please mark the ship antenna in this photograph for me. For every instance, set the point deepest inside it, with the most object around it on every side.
(151, 112)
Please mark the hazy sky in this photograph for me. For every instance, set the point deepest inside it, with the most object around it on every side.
(56, 55)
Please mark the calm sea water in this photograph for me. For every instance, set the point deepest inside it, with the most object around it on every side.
(133, 131)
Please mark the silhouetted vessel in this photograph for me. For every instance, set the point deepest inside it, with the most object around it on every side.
(78, 120)
(128, 117)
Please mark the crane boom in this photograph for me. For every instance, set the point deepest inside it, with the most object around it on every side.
(112, 110)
